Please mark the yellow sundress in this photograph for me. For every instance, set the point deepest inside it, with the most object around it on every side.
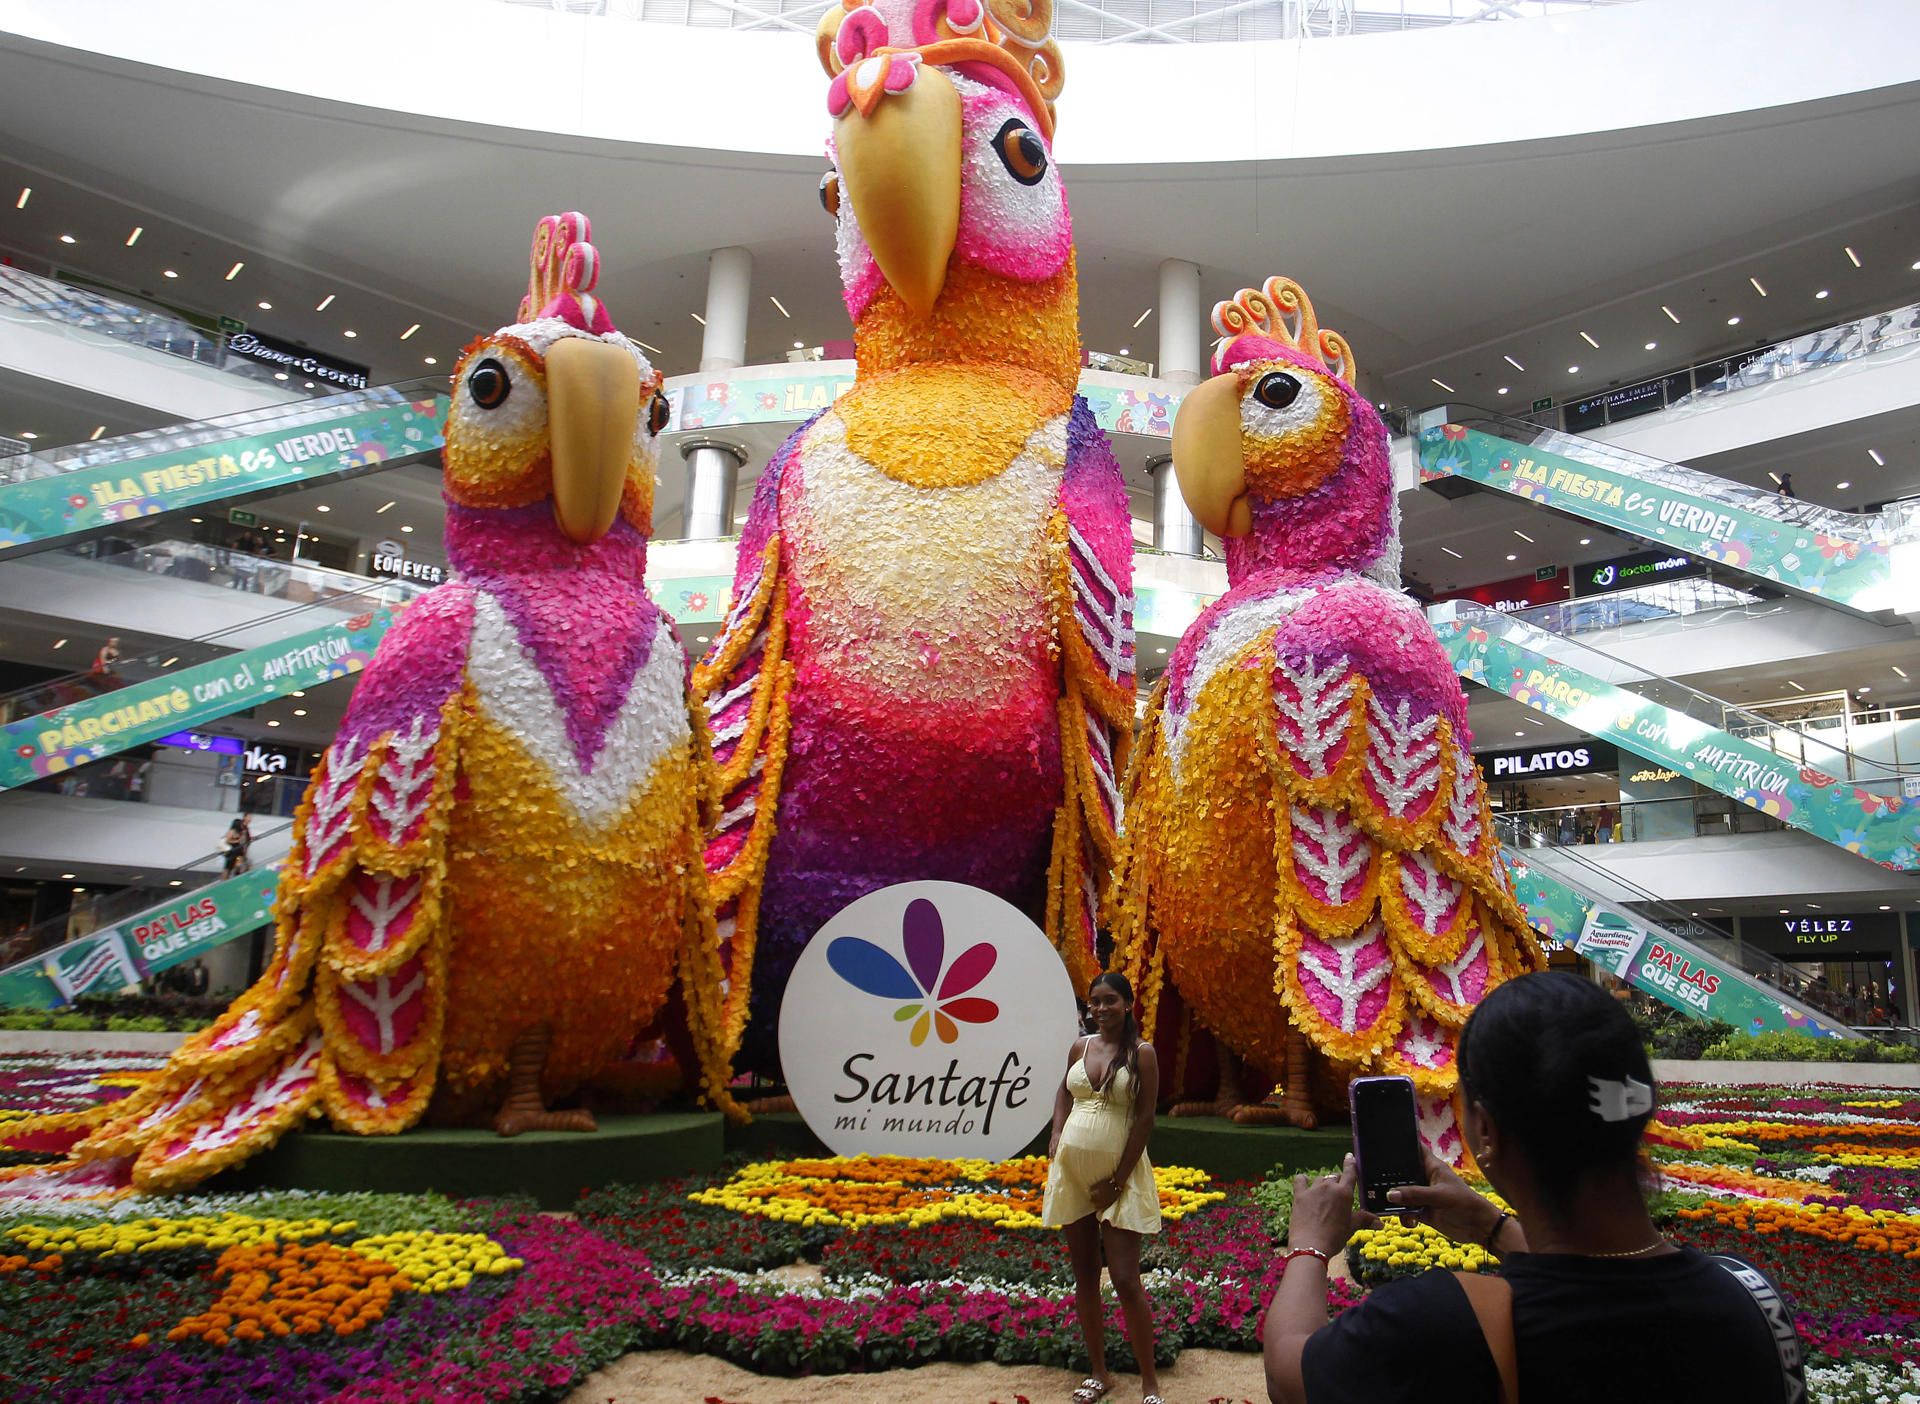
(1091, 1144)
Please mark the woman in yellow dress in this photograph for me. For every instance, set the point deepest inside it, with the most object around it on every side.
(1100, 1183)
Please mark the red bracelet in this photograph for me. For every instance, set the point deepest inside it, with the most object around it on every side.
(1287, 1261)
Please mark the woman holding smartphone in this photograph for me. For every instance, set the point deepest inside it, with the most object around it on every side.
(1099, 1182)
(1590, 1298)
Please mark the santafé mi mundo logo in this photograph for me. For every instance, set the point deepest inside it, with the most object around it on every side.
(936, 992)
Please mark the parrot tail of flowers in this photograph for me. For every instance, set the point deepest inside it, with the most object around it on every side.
(743, 686)
(1136, 950)
(703, 966)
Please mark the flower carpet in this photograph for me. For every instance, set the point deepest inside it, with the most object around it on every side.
(826, 1266)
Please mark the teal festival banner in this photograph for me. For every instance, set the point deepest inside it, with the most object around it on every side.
(718, 402)
(42, 509)
(1882, 828)
(1846, 571)
(174, 932)
(80, 732)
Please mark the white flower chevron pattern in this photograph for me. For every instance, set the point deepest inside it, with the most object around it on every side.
(1403, 763)
(1331, 855)
(1311, 713)
(1353, 973)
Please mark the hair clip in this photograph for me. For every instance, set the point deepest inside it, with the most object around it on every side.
(1619, 1101)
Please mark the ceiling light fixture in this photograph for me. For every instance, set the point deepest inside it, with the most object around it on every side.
(349, 332)
(265, 306)
(1502, 390)
(26, 194)
(1443, 385)
(637, 342)
(171, 661)
(67, 239)
(297, 692)
(431, 360)
(1795, 686)
(1142, 317)
(1515, 364)
(1573, 370)
(66, 877)
(98, 430)
(698, 318)
(1671, 317)
(406, 529)
(1733, 321)
(322, 507)
(168, 273)
(1513, 558)
(1842, 487)
(59, 643)
(799, 346)
(1898, 669)
(1125, 352)
(781, 305)
(409, 331)
(1652, 344)
(234, 272)
(134, 237)
(299, 711)
(1822, 295)
(1852, 255)
(378, 510)
(1451, 552)
(1874, 454)
(273, 723)
(1523, 536)
(325, 303)
(1756, 286)
(1589, 340)
(28, 434)
(1586, 541)
(1863, 690)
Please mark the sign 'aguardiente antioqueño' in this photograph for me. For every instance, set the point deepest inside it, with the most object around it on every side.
(929, 1018)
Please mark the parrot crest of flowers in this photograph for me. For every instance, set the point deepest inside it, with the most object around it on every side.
(564, 268)
(1281, 311)
(870, 50)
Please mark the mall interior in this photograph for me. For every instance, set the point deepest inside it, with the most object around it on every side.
(1635, 284)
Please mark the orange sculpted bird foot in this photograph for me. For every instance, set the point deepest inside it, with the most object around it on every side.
(1268, 1114)
(525, 1109)
(514, 1120)
(761, 1106)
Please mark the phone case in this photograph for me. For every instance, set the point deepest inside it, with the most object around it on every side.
(1372, 1198)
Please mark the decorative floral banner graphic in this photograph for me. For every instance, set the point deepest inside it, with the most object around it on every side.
(1670, 969)
(702, 403)
(40, 509)
(80, 732)
(1883, 828)
(1847, 571)
(170, 934)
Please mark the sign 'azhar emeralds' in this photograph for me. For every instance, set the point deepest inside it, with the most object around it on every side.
(42, 509)
(1883, 828)
(1671, 969)
(80, 732)
(170, 934)
(1848, 571)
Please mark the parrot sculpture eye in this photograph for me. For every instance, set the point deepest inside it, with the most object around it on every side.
(951, 539)
(1352, 869)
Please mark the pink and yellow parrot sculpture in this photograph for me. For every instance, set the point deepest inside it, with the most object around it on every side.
(1309, 863)
(495, 881)
(927, 670)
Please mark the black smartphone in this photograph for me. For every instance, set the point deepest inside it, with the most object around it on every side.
(1386, 1140)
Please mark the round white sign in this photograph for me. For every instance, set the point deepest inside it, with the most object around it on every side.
(929, 1018)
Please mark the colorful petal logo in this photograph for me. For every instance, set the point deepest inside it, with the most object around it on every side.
(932, 989)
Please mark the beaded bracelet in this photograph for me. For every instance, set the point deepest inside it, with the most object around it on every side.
(1287, 1261)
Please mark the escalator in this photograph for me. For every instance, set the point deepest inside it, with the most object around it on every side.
(1863, 805)
(1866, 562)
(61, 496)
(1661, 950)
(84, 717)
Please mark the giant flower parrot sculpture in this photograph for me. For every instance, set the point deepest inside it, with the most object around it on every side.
(495, 879)
(927, 669)
(1309, 863)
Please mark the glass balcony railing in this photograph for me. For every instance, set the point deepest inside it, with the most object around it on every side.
(176, 785)
(1646, 604)
(300, 582)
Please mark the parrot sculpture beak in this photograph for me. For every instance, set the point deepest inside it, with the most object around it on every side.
(593, 410)
(1207, 458)
(901, 167)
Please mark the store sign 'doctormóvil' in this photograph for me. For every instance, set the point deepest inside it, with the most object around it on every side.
(928, 1018)
(1631, 572)
(1536, 762)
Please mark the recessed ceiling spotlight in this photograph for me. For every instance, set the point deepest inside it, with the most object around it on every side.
(322, 507)
(98, 430)
(1573, 370)
(702, 638)
(234, 272)
(409, 331)
(279, 375)
(176, 882)
(349, 332)
(1125, 352)
(1142, 317)
(273, 723)
(1733, 321)
(1502, 390)
(134, 237)
(1863, 689)
(781, 306)
(1451, 552)
(1852, 255)
(1874, 454)
(1513, 558)
(66, 877)
(1671, 316)
(1652, 344)
(1822, 294)
(1756, 286)
(68, 239)
(1842, 487)
(28, 434)
(698, 318)
(407, 529)
(265, 306)
(1586, 541)
(1586, 337)
(1519, 733)
(1443, 385)
(431, 360)
(1515, 364)
(298, 692)
(799, 345)
(299, 711)
(1159, 650)
(26, 194)
(168, 273)
(325, 303)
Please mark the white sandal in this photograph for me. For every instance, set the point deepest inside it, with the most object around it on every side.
(1090, 1391)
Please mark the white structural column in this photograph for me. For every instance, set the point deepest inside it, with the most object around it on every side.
(1174, 527)
(713, 467)
(1180, 327)
(729, 287)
